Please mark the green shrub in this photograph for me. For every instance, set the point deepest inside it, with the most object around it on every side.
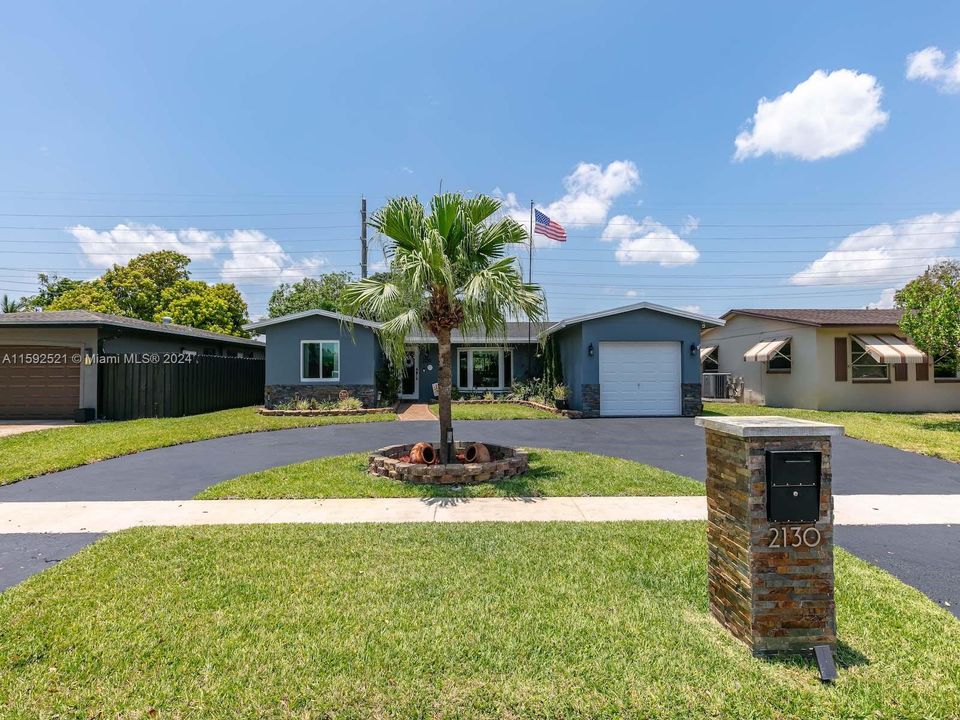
(387, 384)
(350, 403)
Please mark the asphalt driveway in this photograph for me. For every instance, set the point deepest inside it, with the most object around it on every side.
(675, 444)
(926, 557)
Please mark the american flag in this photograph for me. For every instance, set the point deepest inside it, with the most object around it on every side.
(548, 227)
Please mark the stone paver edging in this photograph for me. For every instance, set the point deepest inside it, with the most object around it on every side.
(111, 516)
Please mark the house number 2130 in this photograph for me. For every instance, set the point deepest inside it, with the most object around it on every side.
(794, 536)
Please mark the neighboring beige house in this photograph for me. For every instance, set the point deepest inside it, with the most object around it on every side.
(826, 360)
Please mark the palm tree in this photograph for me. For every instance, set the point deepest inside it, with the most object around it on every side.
(449, 270)
(10, 306)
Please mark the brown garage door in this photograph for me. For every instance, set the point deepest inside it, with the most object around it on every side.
(38, 382)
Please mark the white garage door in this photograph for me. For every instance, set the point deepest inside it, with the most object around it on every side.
(639, 378)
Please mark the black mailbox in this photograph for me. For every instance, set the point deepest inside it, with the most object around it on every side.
(793, 486)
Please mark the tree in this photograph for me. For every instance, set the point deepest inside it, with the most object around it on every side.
(150, 287)
(322, 293)
(138, 286)
(10, 306)
(931, 310)
(218, 308)
(51, 287)
(93, 296)
(448, 270)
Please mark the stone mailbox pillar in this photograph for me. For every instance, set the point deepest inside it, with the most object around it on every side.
(770, 531)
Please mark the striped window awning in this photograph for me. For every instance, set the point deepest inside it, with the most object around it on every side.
(706, 350)
(765, 349)
(890, 349)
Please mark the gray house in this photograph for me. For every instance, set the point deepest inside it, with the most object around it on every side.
(49, 366)
(641, 359)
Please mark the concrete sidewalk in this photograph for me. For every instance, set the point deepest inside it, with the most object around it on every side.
(101, 517)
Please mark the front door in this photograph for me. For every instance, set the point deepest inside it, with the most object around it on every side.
(410, 380)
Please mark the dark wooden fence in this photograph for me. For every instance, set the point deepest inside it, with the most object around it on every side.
(133, 389)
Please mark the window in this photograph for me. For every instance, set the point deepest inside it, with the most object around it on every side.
(864, 366)
(484, 369)
(711, 361)
(781, 361)
(319, 360)
(947, 367)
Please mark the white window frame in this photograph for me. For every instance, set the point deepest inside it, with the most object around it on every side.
(854, 365)
(784, 356)
(715, 353)
(469, 387)
(321, 343)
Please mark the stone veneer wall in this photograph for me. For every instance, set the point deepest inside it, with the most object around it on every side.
(276, 394)
(692, 400)
(776, 600)
(590, 400)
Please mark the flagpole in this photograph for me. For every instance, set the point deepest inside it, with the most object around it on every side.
(530, 269)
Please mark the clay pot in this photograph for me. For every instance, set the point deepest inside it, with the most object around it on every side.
(476, 453)
(423, 454)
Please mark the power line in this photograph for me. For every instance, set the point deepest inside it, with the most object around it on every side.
(133, 216)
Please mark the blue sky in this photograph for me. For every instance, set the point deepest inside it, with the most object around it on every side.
(246, 133)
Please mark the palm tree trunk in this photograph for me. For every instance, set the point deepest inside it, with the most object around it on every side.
(444, 376)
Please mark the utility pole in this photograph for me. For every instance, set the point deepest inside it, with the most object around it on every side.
(363, 237)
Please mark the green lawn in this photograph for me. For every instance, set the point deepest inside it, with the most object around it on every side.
(936, 434)
(498, 411)
(552, 473)
(527, 620)
(35, 453)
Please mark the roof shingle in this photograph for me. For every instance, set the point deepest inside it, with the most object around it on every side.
(821, 318)
(88, 318)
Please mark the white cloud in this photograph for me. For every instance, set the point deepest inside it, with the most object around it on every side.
(930, 65)
(885, 302)
(631, 293)
(123, 242)
(896, 252)
(824, 116)
(591, 190)
(648, 241)
(255, 258)
(689, 225)
(260, 260)
(691, 309)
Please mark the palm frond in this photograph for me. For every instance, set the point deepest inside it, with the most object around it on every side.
(401, 220)
(480, 208)
(394, 332)
(372, 296)
(495, 239)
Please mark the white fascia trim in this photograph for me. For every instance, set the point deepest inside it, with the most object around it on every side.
(706, 319)
(349, 319)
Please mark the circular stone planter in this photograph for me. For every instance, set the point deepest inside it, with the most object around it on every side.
(504, 462)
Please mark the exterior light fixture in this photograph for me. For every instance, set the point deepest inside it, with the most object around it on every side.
(693, 348)
(87, 356)
(590, 349)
